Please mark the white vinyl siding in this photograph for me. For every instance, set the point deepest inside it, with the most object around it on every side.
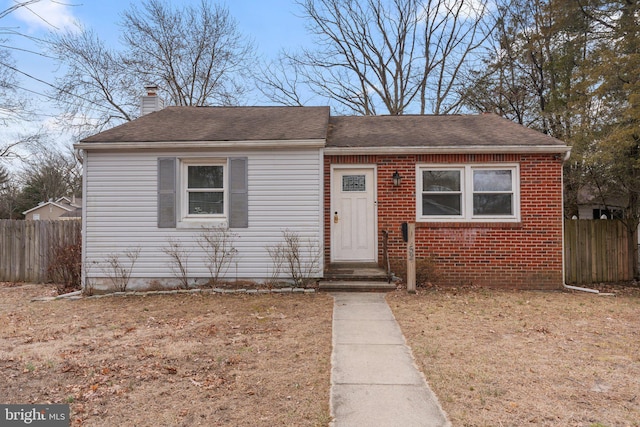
(121, 211)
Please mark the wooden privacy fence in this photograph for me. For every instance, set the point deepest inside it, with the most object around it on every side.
(596, 251)
(27, 246)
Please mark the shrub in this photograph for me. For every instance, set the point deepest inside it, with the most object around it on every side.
(65, 266)
(118, 272)
(426, 270)
(299, 260)
(219, 250)
(179, 261)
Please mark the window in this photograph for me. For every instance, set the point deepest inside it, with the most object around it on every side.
(473, 193)
(493, 192)
(204, 189)
(597, 214)
(442, 192)
(196, 192)
(353, 183)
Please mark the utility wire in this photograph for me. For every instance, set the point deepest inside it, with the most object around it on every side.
(3, 46)
(100, 107)
(53, 116)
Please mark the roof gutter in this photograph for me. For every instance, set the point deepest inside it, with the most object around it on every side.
(470, 149)
(172, 145)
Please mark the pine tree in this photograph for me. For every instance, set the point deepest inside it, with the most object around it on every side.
(616, 83)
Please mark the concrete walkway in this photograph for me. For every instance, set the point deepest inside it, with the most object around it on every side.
(374, 381)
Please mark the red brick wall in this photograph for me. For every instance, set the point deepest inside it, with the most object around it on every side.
(527, 254)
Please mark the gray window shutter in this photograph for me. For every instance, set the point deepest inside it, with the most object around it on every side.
(166, 192)
(238, 193)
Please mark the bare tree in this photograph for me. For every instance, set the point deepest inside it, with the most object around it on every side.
(195, 54)
(97, 91)
(453, 35)
(13, 105)
(4, 176)
(383, 56)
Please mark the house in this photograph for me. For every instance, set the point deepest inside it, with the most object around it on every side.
(485, 193)
(591, 206)
(63, 208)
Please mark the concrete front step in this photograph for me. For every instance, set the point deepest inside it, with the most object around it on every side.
(356, 286)
(361, 272)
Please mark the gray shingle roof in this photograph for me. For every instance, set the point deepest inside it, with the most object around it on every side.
(432, 131)
(221, 124)
(189, 124)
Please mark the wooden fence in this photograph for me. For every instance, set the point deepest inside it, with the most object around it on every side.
(26, 247)
(596, 251)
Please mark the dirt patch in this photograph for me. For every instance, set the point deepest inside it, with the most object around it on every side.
(180, 360)
(499, 358)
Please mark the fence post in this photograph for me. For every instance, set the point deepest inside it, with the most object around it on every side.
(411, 258)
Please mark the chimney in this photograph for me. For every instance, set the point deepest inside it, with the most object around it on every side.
(151, 102)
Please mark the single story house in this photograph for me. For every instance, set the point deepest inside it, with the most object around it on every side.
(63, 208)
(485, 193)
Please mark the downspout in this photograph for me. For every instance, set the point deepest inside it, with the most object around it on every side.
(578, 288)
(80, 155)
(564, 272)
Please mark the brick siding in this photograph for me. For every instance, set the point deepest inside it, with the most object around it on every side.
(526, 255)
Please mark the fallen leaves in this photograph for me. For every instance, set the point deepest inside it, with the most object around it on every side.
(214, 352)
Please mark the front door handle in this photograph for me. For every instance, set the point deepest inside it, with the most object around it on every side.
(335, 218)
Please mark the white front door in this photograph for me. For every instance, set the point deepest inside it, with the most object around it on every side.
(353, 215)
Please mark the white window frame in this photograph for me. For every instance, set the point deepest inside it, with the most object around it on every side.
(466, 183)
(204, 219)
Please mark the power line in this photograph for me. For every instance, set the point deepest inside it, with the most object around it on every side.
(26, 50)
(101, 107)
(53, 116)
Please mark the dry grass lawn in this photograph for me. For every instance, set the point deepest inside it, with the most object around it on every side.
(169, 360)
(500, 358)
(494, 358)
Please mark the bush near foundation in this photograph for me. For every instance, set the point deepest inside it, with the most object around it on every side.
(426, 270)
(65, 267)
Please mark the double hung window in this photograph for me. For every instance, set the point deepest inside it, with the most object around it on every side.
(468, 193)
(204, 190)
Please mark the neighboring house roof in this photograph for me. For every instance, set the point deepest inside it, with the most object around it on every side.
(178, 124)
(485, 131)
(64, 203)
(43, 205)
(76, 213)
(74, 201)
(588, 195)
